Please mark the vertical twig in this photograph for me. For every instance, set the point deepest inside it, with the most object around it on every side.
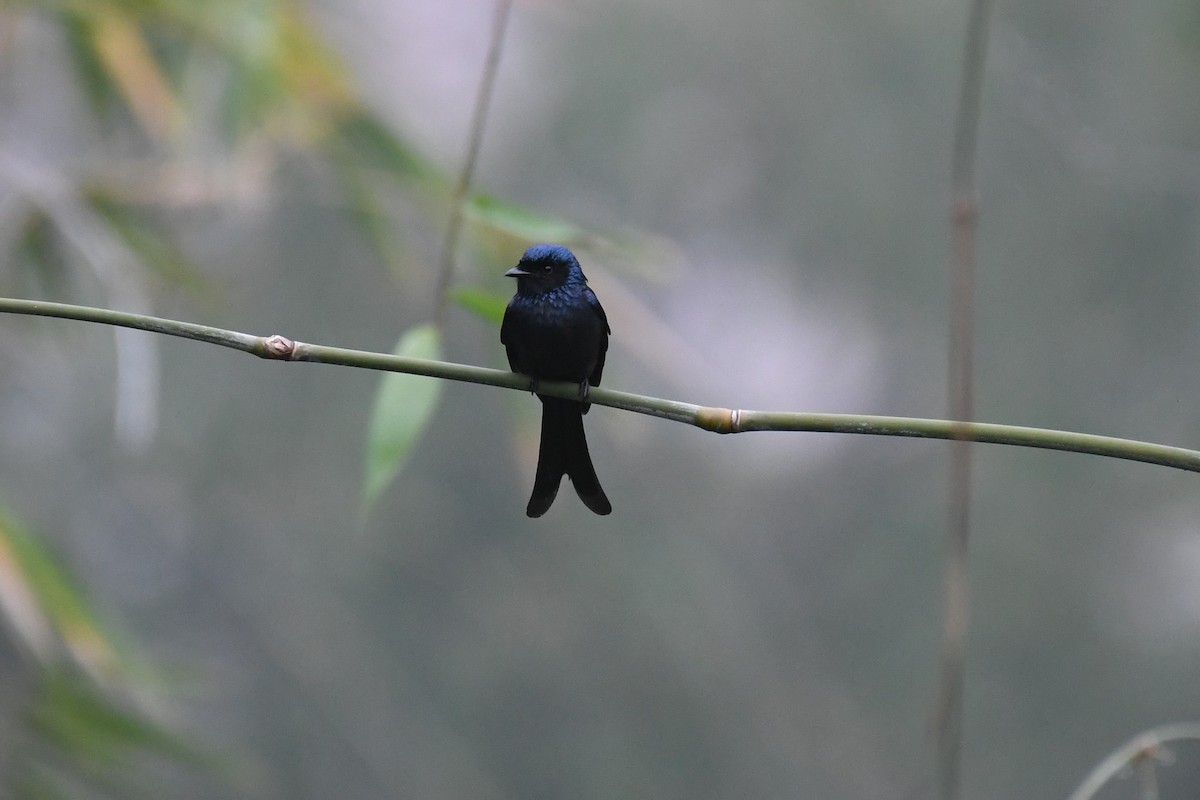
(948, 711)
(474, 141)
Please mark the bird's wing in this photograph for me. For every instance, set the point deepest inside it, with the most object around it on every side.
(594, 302)
(598, 370)
(504, 326)
(507, 338)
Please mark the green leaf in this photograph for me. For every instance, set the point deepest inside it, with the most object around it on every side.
(146, 240)
(364, 151)
(82, 722)
(489, 306)
(403, 407)
(36, 250)
(89, 68)
(367, 210)
(375, 146)
(29, 567)
(518, 222)
(252, 91)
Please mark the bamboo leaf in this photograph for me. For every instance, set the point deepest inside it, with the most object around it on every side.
(93, 77)
(131, 66)
(403, 407)
(497, 216)
(374, 145)
(364, 150)
(149, 242)
(309, 70)
(252, 92)
(366, 209)
(37, 594)
(36, 251)
(82, 722)
(488, 306)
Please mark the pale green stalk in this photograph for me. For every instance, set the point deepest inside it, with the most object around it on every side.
(715, 419)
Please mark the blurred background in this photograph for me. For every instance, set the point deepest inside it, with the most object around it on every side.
(198, 603)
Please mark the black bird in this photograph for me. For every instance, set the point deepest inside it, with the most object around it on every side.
(555, 330)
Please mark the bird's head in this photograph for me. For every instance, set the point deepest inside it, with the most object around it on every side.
(545, 267)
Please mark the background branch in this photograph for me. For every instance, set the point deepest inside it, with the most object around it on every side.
(474, 142)
(948, 709)
(1145, 748)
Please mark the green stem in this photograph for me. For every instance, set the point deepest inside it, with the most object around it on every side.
(103, 316)
(715, 419)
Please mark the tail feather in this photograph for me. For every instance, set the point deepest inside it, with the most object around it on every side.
(564, 451)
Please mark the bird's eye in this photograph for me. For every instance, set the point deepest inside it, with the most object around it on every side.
(546, 268)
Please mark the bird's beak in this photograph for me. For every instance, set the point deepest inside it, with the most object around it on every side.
(516, 272)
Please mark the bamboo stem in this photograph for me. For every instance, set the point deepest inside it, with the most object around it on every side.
(709, 418)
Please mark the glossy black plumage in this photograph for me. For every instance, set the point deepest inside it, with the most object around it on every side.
(555, 330)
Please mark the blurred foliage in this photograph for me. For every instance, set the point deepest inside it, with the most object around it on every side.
(84, 721)
(89, 728)
(516, 224)
(148, 241)
(403, 406)
(488, 306)
(38, 251)
(281, 91)
(759, 620)
(45, 610)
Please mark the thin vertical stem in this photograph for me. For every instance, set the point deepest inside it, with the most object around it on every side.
(474, 142)
(948, 714)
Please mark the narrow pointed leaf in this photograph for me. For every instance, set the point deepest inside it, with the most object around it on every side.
(133, 69)
(82, 722)
(488, 306)
(497, 216)
(36, 251)
(36, 589)
(374, 145)
(149, 242)
(403, 407)
(89, 68)
(367, 211)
